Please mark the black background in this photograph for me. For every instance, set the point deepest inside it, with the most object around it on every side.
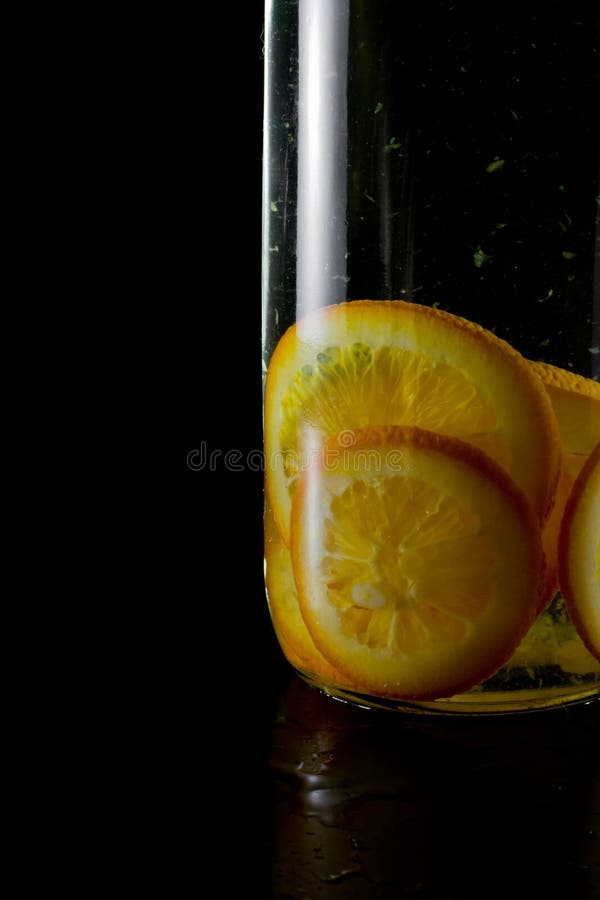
(209, 670)
(213, 115)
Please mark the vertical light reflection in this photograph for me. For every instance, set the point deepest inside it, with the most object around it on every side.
(596, 295)
(266, 175)
(322, 153)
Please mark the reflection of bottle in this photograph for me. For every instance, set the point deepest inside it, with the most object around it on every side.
(428, 809)
(424, 155)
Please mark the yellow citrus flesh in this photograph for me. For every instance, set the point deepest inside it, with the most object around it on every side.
(418, 561)
(579, 554)
(293, 635)
(576, 404)
(396, 363)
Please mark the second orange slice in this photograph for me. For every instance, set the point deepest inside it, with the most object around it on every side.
(418, 561)
(576, 404)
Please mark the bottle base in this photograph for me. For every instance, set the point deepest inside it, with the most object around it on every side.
(475, 703)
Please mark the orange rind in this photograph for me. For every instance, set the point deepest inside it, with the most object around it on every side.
(579, 554)
(292, 634)
(576, 404)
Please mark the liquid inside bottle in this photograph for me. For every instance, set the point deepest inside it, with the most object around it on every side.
(431, 345)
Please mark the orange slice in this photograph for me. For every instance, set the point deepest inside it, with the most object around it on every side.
(396, 363)
(418, 561)
(576, 404)
(579, 554)
(293, 635)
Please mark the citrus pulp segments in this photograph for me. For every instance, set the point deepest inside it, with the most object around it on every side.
(393, 362)
(418, 562)
(579, 554)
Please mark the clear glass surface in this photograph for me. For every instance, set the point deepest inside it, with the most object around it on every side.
(424, 154)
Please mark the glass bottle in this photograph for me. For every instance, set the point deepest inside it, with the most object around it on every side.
(431, 349)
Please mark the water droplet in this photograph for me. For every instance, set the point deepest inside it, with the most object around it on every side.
(344, 875)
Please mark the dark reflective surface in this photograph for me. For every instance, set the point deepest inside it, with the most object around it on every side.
(368, 804)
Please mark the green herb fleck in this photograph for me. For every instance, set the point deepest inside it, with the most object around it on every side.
(393, 144)
(544, 343)
(480, 257)
(378, 108)
(547, 297)
(568, 254)
(436, 304)
(495, 165)
(273, 206)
